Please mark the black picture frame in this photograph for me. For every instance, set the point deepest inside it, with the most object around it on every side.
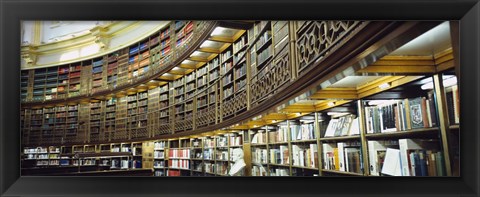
(12, 12)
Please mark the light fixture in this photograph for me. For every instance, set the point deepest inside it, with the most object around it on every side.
(195, 53)
(274, 121)
(299, 114)
(331, 104)
(176, 68)
(446, 83)
(336, 113)
(384, 86)
(217, 31)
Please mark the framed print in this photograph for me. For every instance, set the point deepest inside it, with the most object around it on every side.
(239, 98)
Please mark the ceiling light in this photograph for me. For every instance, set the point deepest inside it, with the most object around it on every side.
(195, 53)
(446, 83)
(384, 86)
(217, 31)
(331, 104)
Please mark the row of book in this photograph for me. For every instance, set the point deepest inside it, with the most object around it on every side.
(179, 163)
(407, 157)
(343, 156)
(400, 115)
(346, 125)
(179, 153)
(305, 156)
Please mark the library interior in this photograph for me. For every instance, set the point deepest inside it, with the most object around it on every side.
(240, 98)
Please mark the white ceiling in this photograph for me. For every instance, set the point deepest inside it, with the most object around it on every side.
(431, 42)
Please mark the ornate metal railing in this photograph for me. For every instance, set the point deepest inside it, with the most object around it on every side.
(317, 39)
(270, 79)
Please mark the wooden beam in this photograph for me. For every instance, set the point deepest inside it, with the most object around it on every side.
(338, 93)
(393, 84)
(397, 69)
(188, 66)
(198, 59)
(401, 64)
(221, 39)
(209, 50)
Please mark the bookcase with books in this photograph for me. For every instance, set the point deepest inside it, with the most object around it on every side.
(109, 125)
(179, 98)
(71, 123)
(304, 138)
(179, 157)
(48, 124)
(24, 84)
(263, 49)
(74, 81)
(221, 155)
(164, 118)
(452, 99)
(197, 156)
(202, 96)
(98, 81)
(404, 133)
(259, 152)
(190, 92)
(159, 157)
(96, 121)
(341, 141)
(60, 122)
(278, 149)
(208, 155)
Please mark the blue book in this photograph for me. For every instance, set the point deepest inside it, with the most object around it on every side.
(423, 163)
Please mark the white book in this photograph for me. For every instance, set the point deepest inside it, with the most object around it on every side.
(373, 148)
(330, 132)
(341, 156)
(429, 116)
(355, 128)
(326, 149)
(391, 165)
(313, 150)
(302, 157)
(455, 107)
(405, 146)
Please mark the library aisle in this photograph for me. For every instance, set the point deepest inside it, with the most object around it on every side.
(242, 98)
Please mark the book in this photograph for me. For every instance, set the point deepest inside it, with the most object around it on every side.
(332, 125)
(407, 145)
(341, 156)
(392, 164)
(416, 113)
(374, 147)
(456, 106)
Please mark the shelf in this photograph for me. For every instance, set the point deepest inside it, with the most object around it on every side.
(281, 165)
(262, 64)
(258, 144)
(277, 143)
(341, 172)
(308, 168)
(355, 137)
(264, 45)
(304, 141)
(427, 132)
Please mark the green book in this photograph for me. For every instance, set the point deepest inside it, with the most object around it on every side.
(440, 165)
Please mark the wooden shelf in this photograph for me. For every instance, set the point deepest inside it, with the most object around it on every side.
(341, 172)
(414, 133)
(342, 138)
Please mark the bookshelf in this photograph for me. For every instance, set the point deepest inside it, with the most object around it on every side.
(197, 157)
(179, 158)
(96, 121)
(226, 84)
(159, 156)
